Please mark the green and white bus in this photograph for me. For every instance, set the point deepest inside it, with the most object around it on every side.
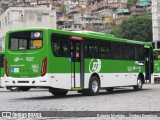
(2, 82)
(156, 52)
(2, 74)
(80, 61)
(156, 64)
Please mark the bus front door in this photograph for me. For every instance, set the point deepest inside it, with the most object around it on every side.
(148, 63)
(77, 64)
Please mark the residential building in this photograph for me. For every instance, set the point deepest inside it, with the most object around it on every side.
(22, 17)
(71, 5)
(81, 21)
(33, 2)
(122, 14)
(142, 7)
(156, 20)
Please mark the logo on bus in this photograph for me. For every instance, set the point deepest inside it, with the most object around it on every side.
(16, 59)
(95, 65)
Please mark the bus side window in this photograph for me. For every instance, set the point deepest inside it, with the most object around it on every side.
(102, 50)
(55, 46)
(56, 49)
(60, 45)
(64, 46)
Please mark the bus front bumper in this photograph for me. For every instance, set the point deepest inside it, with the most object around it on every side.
(156, 76)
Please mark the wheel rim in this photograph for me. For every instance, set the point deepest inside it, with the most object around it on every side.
(94, 86)
(13, 88)
(139, 83)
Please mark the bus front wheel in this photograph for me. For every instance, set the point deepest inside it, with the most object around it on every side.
(139, 85)
(58, 92)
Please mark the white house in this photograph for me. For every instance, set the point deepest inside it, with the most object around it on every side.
(22, 17)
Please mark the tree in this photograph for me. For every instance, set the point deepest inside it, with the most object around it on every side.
(130, 3)
(115, 30)
(136, 28)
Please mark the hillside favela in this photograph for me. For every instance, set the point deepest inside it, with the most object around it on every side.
(71, 15)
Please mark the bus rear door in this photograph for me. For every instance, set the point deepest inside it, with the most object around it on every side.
(77, 62)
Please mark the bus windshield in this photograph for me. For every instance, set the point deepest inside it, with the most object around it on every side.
(25, 40)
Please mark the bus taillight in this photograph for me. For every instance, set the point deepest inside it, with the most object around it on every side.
(44, 66)
(6, 68)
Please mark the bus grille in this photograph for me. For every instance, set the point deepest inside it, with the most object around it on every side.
(23, 81)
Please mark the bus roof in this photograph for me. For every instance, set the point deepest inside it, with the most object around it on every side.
(94, 33)
(89, 34)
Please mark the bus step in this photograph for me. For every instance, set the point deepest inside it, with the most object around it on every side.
(77, 88)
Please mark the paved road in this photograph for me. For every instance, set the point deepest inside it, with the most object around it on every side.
(123, 99)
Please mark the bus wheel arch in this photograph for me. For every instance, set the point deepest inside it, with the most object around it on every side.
(96, 74)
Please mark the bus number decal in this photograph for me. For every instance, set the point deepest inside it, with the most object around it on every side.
(35, 68)
(29, 58)
(133, 68)
(95, 65)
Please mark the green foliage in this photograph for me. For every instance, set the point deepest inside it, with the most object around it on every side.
(136, 28)
(115, 30)
(130, 3)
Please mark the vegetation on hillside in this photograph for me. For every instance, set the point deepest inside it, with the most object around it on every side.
(130, 3)
(136, 28)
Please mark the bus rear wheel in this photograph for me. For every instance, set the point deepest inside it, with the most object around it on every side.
(110, 89)
(139, 85)
(58, 92)
(25, 88)
(13, 88)
(93, 87)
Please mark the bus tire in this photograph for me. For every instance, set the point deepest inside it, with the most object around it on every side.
(110, 89)
(85, 92)
(58, 92)
(94, 86)
(13, 88)
(139, 85)
(25, 88)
